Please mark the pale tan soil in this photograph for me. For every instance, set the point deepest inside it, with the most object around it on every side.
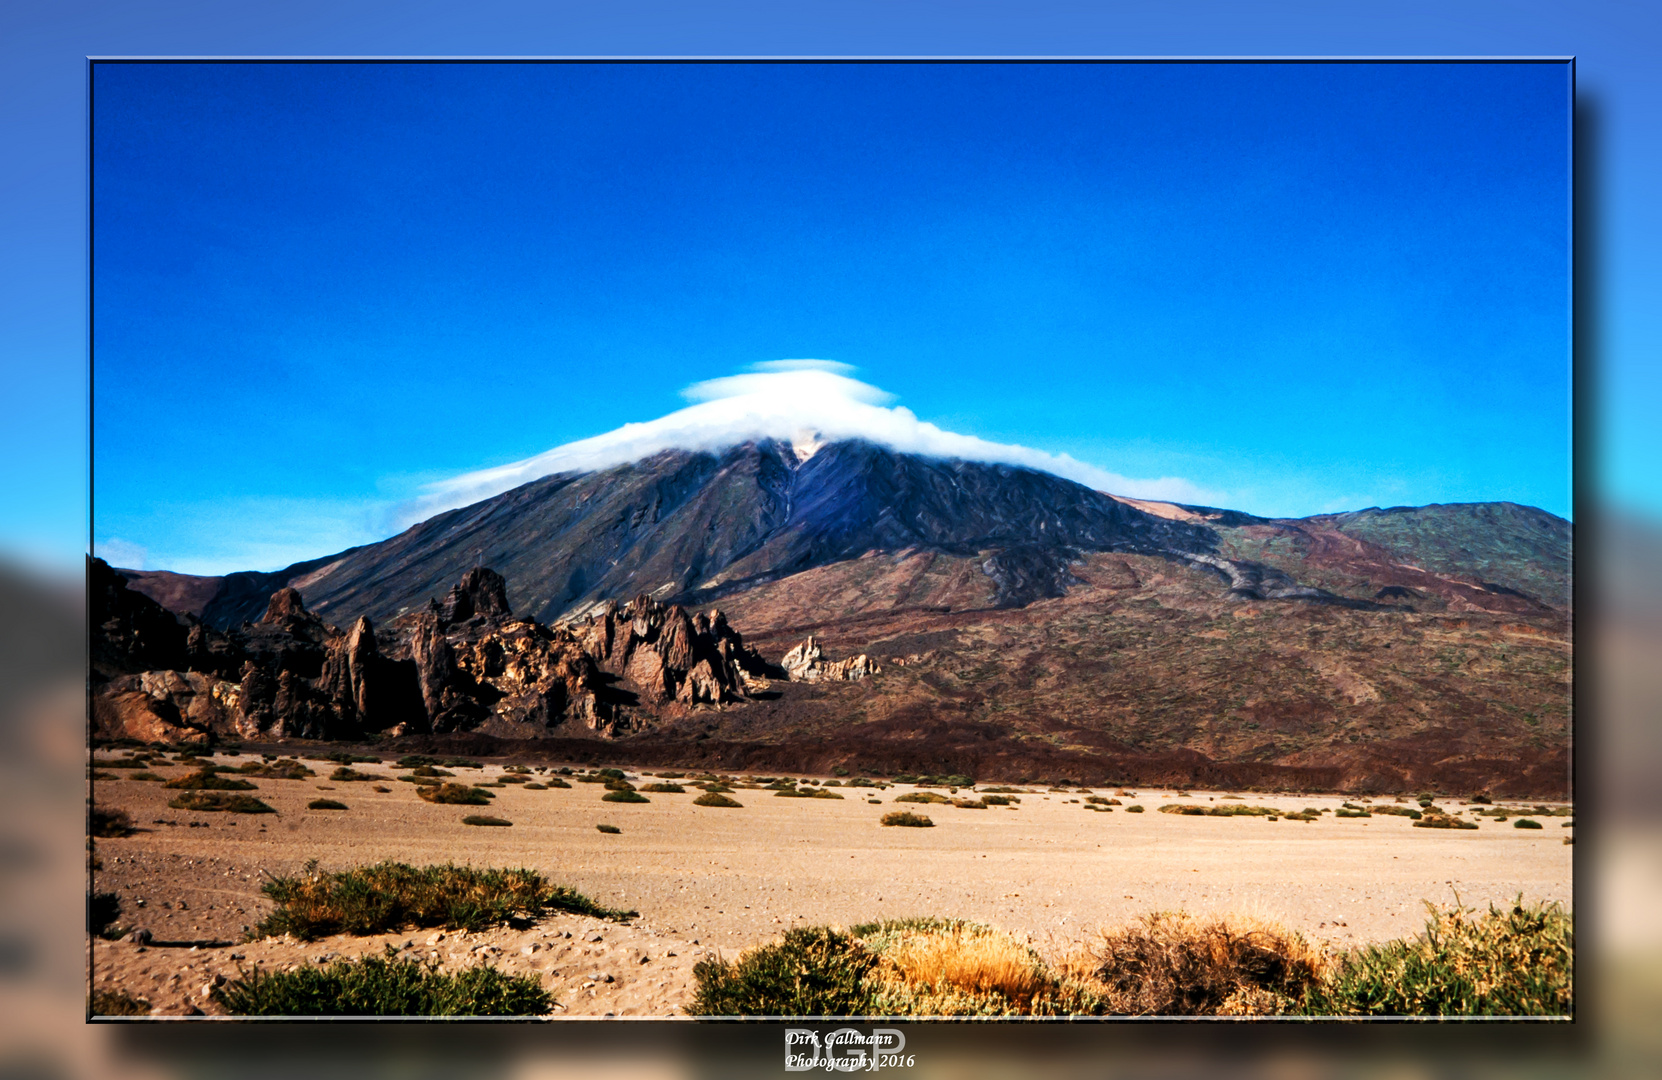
(731, 878)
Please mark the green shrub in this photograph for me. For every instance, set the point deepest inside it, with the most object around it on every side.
(667, 789)
(1505, 963)
(813, 971)
(429, 770)
(390, 896)
(209, 802)
(1133, 809)
(422, 781)
(416, 761)
(969, 804)
(382, 986)
(902, 817)
(555, 782)
(814, 793)
(922, 797)
(624, 797)
(1351, 813)
(208, 781)
(325, 804)
(455, 795)
(715, 798)
(613, 829)
(485, 819)
(1398, 811)
(1525, 823)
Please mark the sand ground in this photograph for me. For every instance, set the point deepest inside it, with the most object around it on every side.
(718, 880)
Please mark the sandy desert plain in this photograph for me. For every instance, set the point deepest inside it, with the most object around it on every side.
(709, 881)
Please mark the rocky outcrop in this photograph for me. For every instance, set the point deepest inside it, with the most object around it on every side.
(669, 655)
(807, 663)
(461, 664)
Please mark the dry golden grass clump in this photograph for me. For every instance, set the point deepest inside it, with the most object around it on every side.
(1178, 965)
(947, 967)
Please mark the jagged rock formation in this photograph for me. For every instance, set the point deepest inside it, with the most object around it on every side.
(464, 664)
(670, 655)
(807, 663)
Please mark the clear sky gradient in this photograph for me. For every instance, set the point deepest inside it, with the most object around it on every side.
(1300, 287)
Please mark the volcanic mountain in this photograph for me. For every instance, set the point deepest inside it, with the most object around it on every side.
(688, 527)
(1018, 626)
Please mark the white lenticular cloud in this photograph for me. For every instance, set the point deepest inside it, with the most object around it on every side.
(807, 403)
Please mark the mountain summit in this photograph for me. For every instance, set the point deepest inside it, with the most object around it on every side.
(688, 526)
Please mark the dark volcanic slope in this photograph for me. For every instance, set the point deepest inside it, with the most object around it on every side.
(693, 526)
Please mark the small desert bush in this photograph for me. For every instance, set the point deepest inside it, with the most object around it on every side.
(455, 795)
(346, 775)
(415, 761)
(1516, 962)
(613, 829)
(1434, 820)
(630, 796)
(715, 798)
(285, 769)
(485, 819)
(390, 896)
(555, 782)
(902, 817)
(1525, 823)
(430, 770)
(1133, 809)
(382, 986)
(103, 909)
(999, 800)
(812, 971)
(423, 781)
(1219, 811)
(922, 797)
(1343, 813)
(1004, 789)
(969, 804)
(116, 1003)
(1398, 811)
(325, 804)
(119, 763)
(209, 802)
(810, 793)
(666, 789)
(204, 780)
(1177, 965)
(108, 822)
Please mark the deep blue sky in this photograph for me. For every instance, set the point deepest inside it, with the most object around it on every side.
(1303, 287)
(43, 209)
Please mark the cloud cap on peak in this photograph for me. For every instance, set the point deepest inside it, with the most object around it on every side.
(804, 402)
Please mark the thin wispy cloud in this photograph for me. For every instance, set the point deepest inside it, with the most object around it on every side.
(805, 402)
